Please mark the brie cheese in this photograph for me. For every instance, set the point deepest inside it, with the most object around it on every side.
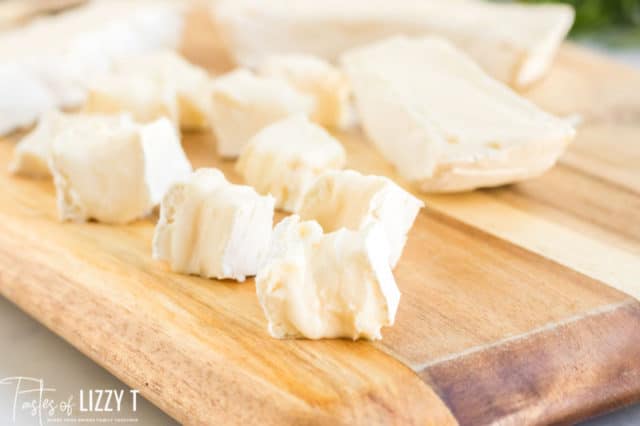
(50, 62)
(346, 198)
(284, 159)
(327, 286)
(515, 43)
(152, 86)
(31, 155)
(319, 79)
(443, 123)
(212, 228)
(113, 170)
(243, 104)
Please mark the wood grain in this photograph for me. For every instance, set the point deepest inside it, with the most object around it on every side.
(534, 379)
(516, 304)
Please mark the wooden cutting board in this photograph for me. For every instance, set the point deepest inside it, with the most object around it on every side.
(516, 305)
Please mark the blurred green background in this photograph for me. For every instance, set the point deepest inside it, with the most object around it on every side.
(614, 22)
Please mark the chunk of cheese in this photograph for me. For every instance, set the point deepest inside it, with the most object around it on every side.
(444, 123)
(50, 62)
(327, 286)
(285, 158)
(243, 104)
(212, 228)
(319, 79)
(31, 155)
(152, 86)
(114, 170)
(513, 42)
(346, 198)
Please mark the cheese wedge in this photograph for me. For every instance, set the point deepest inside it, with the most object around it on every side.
(243, 104)
(319, 79)
(317, 285)
(346, 198)
(515, 43)
(160, 84)
(212, 228)
(113, 170)
(49, 62)
(446, 125)
(286, 157)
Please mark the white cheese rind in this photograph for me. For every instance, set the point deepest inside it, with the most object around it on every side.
(113, 170)
(243, 104)
(445, 124)
(351, 200)
(286, 157)
(316, 285)
(317, 78)
(212, 228)
(154, 85)
(49, 63)
(515, 43)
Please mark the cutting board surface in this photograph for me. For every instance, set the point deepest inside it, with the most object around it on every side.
(516, 304)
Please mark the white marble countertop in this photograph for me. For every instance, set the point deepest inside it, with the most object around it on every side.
(30, 351)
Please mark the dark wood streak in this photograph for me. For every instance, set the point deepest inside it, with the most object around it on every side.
(557, 376)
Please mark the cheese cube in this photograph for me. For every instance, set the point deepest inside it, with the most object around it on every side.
(317, 285)
(514, 43)
(155, 85)
(212, 228)
(243, 104)
(446, 125)
(346, 198)
(114, 170)
(285, 158)
(319, 79)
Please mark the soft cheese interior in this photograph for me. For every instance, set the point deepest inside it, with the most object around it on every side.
(332, 285)
(346, 198)
(443, 122)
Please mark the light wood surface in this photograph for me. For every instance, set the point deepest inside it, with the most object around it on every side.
(518, 303)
